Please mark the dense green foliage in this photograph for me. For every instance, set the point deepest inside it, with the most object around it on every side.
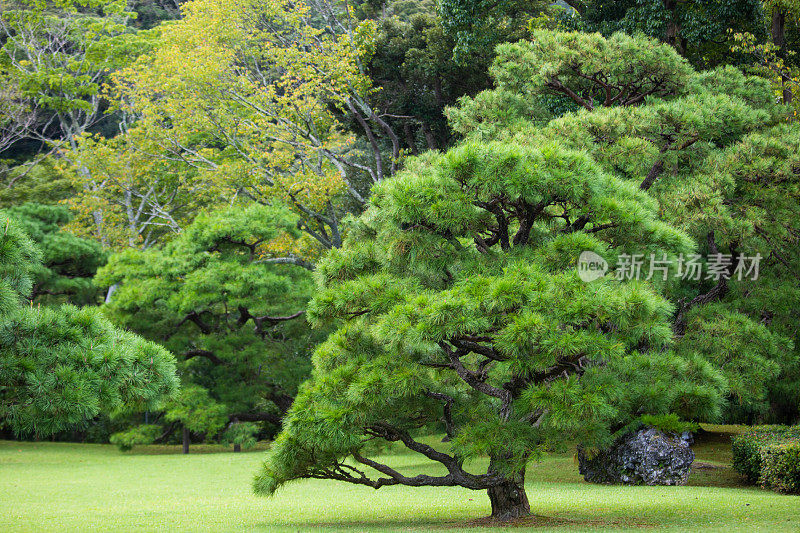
(233, 317)
(695, 150)
(61, 367)
(242, 435)
(440, 169)
(427, 277)
(780, 466)
(696, 28)
(196, 411)
(68, 264)
(418, 78)
(768, 455)
(478, 26)
(135, 435)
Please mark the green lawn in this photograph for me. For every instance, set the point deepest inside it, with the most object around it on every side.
(86, 487)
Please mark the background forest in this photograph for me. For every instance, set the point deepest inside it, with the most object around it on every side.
(242, 183)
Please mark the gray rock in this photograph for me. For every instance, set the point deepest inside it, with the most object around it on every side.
(644, 457)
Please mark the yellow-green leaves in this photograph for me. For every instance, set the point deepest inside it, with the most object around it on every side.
(248, 95)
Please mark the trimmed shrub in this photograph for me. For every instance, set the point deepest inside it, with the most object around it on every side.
(747, 448)
(780, 466)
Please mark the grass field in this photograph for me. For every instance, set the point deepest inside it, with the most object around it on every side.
(87, 487)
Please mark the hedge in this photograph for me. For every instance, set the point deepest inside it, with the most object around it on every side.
(144, 434)
(770, 456)
(780, 467)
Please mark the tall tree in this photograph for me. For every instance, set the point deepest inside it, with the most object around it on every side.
(56, 56)
(695, 146)
(252, 106)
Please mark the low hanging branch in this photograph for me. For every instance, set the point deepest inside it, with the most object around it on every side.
(207, 354)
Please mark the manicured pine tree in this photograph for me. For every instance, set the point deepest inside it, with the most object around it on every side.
(232, 312)
(61, 367)
(710, 148)
(456, 295)
(458, 301)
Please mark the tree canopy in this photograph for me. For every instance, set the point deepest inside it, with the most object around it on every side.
(687, 150)
(457, 298)
(61, 367)
(221, 298)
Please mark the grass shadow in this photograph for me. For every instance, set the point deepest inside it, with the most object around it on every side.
(486, 523)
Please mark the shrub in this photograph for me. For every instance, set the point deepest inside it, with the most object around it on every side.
(747, 448)
(144, 434)
(780, 466)
(669, 423)
(242, 433)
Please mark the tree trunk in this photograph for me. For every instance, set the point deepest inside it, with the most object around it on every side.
(779, 40)
(410, 141)
(429, 138)
(185, 439)
(509, 500)
(673, 35)
(237, 448)
(111, 290)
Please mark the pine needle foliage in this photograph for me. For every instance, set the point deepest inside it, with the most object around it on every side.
(68, 262)
(456, 294)
(216, 297)
(61, 367)
(458, 302)
(713, 149)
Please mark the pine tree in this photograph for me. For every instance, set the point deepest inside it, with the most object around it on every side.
(220, 297)
(456, 295)
(710, 148)
(458, 300)
(61, 367)
(68, 262)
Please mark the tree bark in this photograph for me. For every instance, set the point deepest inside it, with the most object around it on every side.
(509, 500)
(410, 141)
(673, 36)
(429, 137)
(185, 439)
(111, 290)
(779, 40)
